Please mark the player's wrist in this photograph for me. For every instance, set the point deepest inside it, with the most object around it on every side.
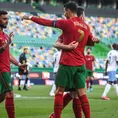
(30, 17)
(9, 41)
(19, 64)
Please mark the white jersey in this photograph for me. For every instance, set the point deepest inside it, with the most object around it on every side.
(56, 60)
(112, 58)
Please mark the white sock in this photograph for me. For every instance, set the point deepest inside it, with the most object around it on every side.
(107, 89)
(116, 88)
(53, 88)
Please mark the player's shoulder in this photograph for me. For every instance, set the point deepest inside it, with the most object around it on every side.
(22, 55)
(3, 34)
(115, 52)
(92, 55)
(82, 23)
(112, 52)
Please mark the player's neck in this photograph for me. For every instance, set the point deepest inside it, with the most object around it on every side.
(73, 15)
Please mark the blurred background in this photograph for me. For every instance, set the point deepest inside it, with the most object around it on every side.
(101, 15)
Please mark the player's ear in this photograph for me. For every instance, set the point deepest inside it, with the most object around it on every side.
(68, 10)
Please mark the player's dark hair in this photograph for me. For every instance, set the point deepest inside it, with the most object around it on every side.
(72, 6)
(115, 46)
(25, 49)
(88, 48)
(3, 13)
(80, 11)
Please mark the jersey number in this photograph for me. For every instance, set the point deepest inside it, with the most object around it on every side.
(81, 35)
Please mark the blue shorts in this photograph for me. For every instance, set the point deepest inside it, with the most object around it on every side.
(112, 76)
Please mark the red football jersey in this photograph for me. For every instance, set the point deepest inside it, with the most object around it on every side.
(74, 29)
(89, 62)
(5, 55)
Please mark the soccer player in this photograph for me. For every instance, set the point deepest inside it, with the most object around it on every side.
(6, 90)
(55, 69)
(72, 70)
(72, 95)
(23, 60)
(110, 68)
(89, 66)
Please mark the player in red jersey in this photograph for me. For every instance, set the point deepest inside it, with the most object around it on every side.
(6, 90)
(89, 66)
(72, 68)
(76, 104)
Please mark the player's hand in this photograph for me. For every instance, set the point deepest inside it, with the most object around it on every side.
(95, 39)
(72, 45)
(25, 18)
(23, 66)
(11, 36)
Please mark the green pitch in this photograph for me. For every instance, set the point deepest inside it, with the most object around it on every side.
(36, 103)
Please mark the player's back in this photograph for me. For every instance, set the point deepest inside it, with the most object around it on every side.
(112, 58)
(77, 30)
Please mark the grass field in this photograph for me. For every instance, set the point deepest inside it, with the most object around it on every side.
(36, 103)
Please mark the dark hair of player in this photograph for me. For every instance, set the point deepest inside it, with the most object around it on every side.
(3, 13)
(72, 6)
(25, 49)
(115, 46)
(88, 48)
(80, 11)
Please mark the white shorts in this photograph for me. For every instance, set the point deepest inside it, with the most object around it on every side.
(112, 76)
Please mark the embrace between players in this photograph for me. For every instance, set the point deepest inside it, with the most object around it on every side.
(72, 71)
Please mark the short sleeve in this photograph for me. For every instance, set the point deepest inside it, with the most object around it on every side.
(60, 38)
(90, 42)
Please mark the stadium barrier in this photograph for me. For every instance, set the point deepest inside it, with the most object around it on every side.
(44, 76)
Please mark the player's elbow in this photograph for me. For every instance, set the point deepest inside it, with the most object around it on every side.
(56, 45)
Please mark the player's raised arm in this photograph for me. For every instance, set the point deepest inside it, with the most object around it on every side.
(61, 24)
(70, 10)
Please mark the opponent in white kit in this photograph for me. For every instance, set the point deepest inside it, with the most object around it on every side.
(110, 69)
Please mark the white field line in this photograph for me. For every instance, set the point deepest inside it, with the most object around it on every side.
(18, 96)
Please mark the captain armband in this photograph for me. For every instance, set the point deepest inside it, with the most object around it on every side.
(54, 23)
